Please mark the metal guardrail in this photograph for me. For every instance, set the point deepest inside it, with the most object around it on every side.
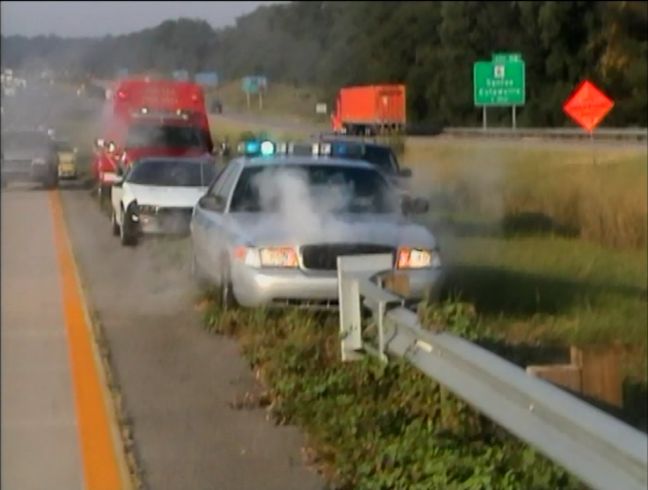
(602, 451)
(607, 134)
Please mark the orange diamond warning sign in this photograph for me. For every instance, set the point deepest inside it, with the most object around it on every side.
(587, 105)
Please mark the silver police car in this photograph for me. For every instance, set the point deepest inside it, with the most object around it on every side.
(270, 227)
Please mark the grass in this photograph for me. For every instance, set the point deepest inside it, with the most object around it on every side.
(547, 246)
(372, 426)
(278, 100)
(554, 186)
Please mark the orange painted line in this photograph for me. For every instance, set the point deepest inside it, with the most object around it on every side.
(98, 452)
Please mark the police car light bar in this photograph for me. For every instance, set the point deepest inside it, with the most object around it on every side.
(255, 147)
(267, 148)
(321, 149)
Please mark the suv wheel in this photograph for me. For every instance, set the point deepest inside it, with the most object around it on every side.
(52, 181)
(127, 234)
(115, 225)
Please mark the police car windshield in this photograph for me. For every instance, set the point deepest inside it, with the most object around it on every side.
(170, 173)
(143, 135)
(325, 188)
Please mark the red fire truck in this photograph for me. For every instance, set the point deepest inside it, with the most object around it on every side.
(147, 117)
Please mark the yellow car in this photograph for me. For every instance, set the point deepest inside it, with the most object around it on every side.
(67, 168)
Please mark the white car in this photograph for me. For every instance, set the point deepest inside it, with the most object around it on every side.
(157, 195)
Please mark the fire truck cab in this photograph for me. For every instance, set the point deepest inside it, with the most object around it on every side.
(146, 117)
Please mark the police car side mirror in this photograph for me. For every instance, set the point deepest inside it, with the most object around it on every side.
(405, 172)
(212, 203)
(414, 205)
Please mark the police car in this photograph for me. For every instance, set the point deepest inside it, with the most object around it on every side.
(269, 229)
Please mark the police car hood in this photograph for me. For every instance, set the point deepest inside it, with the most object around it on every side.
(262, 229)
(174, 197)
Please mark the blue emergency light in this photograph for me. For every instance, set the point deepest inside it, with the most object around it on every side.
(258, 147)
(251, 147)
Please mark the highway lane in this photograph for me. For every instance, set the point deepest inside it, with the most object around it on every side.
(177, 381)
(40, 447)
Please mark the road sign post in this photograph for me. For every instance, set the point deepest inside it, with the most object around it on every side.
(499, 83)
(254, 85)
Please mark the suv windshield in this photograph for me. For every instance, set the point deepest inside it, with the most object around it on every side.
(169, 173)
(165, 136)
(323, 188)
(63, 146)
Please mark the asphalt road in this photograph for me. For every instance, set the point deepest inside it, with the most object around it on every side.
(177, 380)
(40, 447)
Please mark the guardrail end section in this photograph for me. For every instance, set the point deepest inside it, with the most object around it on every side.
(351, 269)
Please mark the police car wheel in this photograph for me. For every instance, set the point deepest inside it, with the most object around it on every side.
(197, 275)
(225, 295)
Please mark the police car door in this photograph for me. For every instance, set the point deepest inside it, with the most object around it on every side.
(207, 235)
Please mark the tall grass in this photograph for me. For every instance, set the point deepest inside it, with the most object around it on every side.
(531, 187)
(278, 100)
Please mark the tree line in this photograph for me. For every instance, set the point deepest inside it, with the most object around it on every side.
(429, 46)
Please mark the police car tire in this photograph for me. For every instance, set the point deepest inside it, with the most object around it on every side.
(225, 294)
(197, 274)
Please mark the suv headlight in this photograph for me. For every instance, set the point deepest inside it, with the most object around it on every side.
(417, 258)
(147, 209)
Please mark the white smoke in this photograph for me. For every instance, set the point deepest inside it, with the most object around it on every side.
(304, 212)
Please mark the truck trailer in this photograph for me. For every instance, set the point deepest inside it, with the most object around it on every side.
(370, 109)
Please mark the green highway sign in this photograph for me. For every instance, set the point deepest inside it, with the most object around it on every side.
(499, 82)
(252, 85)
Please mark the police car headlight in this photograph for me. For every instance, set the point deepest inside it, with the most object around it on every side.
(284, 257)
(417, 258)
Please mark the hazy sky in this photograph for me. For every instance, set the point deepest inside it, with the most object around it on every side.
(80, 19)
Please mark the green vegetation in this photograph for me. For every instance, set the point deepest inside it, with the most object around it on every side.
(294, 104)
(374, 426)
(540, 186)
(429, 46)
(546, 245)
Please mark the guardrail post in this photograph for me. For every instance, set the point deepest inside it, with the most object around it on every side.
(350, 270)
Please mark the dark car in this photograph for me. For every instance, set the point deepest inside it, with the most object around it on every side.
(29, 156)
(381, 156)
(217, 107)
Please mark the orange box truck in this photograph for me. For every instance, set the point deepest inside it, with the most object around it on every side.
(370, 109)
